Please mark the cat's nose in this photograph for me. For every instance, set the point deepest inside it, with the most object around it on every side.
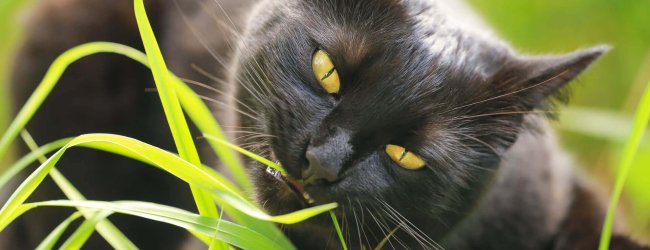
(326, 154)
(317, 172)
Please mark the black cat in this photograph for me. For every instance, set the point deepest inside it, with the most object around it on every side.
(426, 129)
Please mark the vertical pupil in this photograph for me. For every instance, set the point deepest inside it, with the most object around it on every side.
(403, 154)
(328, 74)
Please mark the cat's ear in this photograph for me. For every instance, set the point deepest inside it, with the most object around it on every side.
(538, 77)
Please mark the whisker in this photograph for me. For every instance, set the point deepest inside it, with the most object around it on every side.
(356, 221)
(410, 225)
(504, 113)
(497, 152)
(381, 227)
(220, 92)
(363, 224)
(212, 100)
(255, 94)
(260, 70)
(392, 234)
(249, 132)
(514, 92)
(198, 37)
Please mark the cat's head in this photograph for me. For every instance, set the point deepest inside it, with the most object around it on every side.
(385, 105)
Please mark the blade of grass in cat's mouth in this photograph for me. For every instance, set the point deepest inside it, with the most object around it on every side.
(295, 185)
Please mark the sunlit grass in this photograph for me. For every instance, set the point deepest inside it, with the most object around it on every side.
(629, 152)
(254, 230)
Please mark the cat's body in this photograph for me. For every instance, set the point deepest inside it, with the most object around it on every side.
(465, 102)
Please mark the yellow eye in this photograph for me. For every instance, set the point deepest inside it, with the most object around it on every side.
(404, 158)
(325, 72)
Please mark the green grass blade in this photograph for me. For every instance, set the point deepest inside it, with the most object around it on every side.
(51, 239)
(264, 227)
(245, 152)
(197, 175)
(196, 109)
(629, 151)
(81, 235)
(24, 162)
(203, 118)
(45, 87)
(190, 101)
(216, 244)
(338, 230)
(386, 239)
(171, 106)
(229, 232)
(105, 228)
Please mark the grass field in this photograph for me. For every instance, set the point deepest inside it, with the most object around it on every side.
(596, 125)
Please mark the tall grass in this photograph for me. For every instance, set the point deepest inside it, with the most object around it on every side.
(251, 227)
(641, 120)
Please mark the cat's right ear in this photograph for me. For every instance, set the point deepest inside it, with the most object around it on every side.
(536, 78)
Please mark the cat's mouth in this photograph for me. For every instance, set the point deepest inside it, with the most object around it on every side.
(296, 186)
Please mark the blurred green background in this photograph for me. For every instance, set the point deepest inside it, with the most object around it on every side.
(594, 126)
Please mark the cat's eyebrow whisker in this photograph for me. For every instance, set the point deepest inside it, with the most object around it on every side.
(514, 92)
(211, 51)
(218, 91)
(250, 133)
(221, 103)
(212, 100)
(241, 127)
(505, 113)
(222, 24)
(205, 45)
(497, 152)
(207, 74)
(224, 104)
(237, 32)
(245, 128)
(200, 38)
(445, 158)
(254, 143)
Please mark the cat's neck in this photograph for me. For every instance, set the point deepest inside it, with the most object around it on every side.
(528, 200)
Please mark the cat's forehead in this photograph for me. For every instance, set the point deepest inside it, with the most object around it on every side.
(445, 30)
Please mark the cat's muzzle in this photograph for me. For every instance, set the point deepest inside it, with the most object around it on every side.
(296, 186)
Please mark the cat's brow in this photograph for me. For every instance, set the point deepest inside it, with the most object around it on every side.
(353, 46)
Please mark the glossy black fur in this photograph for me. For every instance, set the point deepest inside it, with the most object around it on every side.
(394, 91)
(473, 118)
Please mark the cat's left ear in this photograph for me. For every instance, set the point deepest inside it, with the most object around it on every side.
(538, 77)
